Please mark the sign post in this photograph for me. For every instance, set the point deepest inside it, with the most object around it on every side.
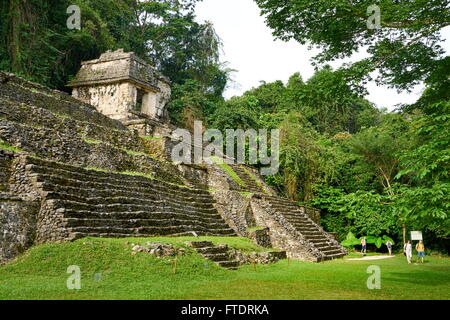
(416, 235)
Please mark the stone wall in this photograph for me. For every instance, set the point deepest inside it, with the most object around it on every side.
(313, 214)
(235, 209)
(195, 175)
(5, 164)
(17, 225)
(114, 100)
(19, 208)
(261, 237)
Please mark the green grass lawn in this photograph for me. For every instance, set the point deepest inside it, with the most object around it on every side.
(41, 274)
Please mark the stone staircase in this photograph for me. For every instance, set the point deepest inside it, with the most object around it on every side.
(327, 247)
(218, 254)
(104, 204)
(252, 186)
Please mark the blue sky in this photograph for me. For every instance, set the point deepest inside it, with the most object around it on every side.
(250, 48)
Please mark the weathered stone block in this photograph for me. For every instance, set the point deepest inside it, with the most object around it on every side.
(17, 226)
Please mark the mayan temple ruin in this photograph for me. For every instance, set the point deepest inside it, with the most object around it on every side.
(97, 164)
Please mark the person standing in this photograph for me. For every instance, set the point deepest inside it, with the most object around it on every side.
(389, 246)
(420, 250)
(363, 245)
(407, 249)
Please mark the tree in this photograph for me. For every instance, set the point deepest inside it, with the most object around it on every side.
(299, 157)
(404, 50)
(329, 103)
(424, 200)
(271, 96)
(35, 42)
(237, 113)
(325, 100)
(380, 147)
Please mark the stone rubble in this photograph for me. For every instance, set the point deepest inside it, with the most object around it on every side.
(158, 249)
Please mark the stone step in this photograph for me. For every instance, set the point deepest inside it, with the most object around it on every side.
(301, 221)
(80, 235)
(151, 231)
(43, 166)
(312, 233)
(80, 174)
(228, 264)
(200, 244)
(218, 254)
(285, 205)
(334, 256)
(328, 248)
(120, 207)
(311, 237)
(217, 257)
(331, 251)
(295, 215)
(251, 185)
(93, 199)
(303, 224)
(85, 190)
(158, 214)
(318, 242)
(117, 186)
(137, 223)
(213, 250)
(305, 228)
(321, 244)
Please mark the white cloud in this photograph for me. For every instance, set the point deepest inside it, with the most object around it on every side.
(250, 48)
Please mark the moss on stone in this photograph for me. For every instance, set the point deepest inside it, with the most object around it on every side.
(258, 183)
(151, 138)
(233, 175)
(134, 153)
(91, 141)
(96, 169)
(139, 174)
(6, 146)
(254, 229)
(246, 193)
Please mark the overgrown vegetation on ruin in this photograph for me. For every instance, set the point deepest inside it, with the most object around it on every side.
(370, 171)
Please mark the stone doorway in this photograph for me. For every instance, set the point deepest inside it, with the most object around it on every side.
(140, 96)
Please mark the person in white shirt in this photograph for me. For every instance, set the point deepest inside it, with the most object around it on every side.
(407, 248)
(389, 246)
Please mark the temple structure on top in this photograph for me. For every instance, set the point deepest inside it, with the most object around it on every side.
(124, 87)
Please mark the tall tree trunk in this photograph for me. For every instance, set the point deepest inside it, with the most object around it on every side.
(404, 232)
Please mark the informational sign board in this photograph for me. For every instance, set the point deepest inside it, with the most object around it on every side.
(416, 235)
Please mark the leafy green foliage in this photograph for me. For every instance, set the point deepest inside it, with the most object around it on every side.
(237, 113)
(35, 42)
(405, 50)
(379, 146)
(351, 240)
(425, 199)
